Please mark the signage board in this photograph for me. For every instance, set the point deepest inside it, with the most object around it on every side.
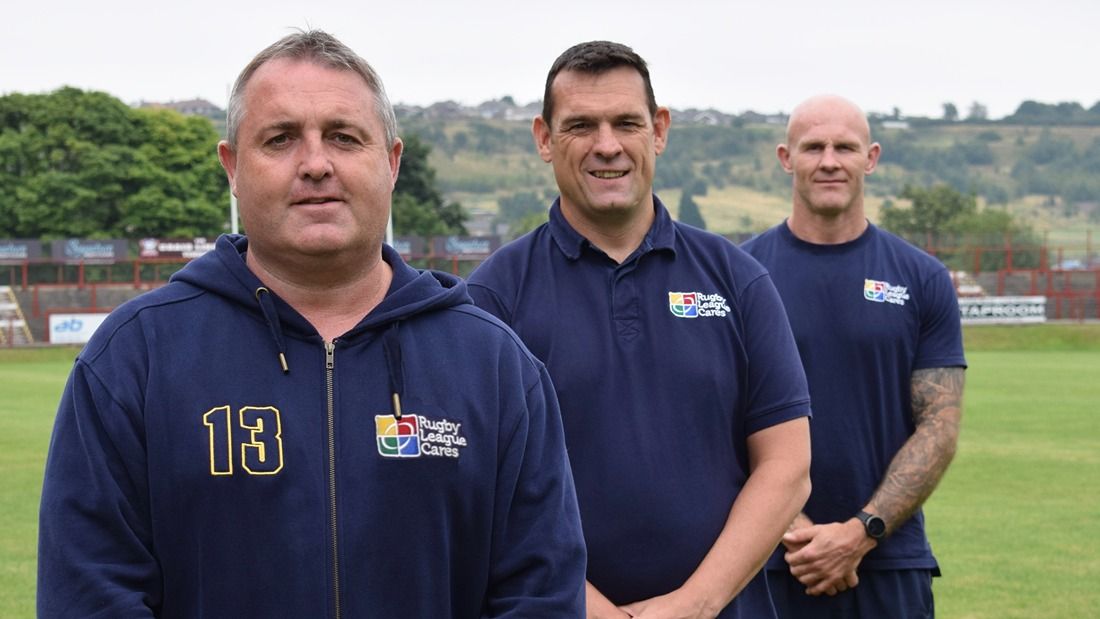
(74, 328)
(1003, 310)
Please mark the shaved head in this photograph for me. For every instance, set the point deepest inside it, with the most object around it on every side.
(830, 108)
(828, 153)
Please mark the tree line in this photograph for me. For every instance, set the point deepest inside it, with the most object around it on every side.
(77, 164)
(83, 164)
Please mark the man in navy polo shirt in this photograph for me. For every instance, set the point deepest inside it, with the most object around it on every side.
(877, 325)
(684, 401)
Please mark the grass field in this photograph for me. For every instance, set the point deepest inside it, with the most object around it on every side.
(30, 386)
(1015, 524)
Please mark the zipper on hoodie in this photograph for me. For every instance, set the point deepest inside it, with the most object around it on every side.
(330, 364)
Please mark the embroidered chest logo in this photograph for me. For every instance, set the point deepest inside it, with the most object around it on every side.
(697, 304)
(413, 436)
(884, 292)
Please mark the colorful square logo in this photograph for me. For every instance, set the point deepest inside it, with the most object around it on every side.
(683, 304)
(398, 438)
(874, 290)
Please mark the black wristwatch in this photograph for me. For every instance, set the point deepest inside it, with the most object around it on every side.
(874, 526)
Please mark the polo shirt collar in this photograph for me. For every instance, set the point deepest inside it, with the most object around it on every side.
(661, 235)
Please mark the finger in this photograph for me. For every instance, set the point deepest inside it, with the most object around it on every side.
(799, 536)
(810, 580)
(827, 586)
(851, 579)
(792, 546)
(799, 557)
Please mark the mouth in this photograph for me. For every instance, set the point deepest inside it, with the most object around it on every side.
(607, 174)
(315, 200)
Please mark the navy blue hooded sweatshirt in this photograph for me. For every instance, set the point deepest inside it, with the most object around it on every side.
(213, 457)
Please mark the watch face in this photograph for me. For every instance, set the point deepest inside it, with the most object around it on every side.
(872, 524)
(876, 527)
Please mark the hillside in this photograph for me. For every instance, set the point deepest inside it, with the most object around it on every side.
(1047, 177)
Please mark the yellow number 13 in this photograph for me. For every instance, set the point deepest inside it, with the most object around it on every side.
(261, 453)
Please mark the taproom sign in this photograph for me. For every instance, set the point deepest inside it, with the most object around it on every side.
(1003, 310)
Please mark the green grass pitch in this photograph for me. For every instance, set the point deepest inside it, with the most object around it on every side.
(1015, 524)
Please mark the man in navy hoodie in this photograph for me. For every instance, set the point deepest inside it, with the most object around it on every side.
(683, 398)
(299, 424)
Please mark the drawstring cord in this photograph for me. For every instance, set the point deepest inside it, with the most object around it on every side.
(392, 346)
(390, 343)
(271, 315)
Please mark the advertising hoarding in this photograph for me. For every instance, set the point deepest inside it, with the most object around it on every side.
(1003, 310)
(74, 328)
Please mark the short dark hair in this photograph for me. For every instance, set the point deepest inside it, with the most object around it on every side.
(325, 50)
(597, 57)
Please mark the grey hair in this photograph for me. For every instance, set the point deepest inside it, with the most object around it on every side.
(324, 49)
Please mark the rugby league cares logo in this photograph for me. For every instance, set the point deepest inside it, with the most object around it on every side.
(413, 436)
(697, 304)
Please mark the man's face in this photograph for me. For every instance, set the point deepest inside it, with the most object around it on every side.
(602, 142)
(828, 154)
(311, 169)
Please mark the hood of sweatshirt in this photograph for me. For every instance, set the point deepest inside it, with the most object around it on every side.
(412, 292)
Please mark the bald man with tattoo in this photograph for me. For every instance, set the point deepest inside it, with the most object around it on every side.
(876, 321)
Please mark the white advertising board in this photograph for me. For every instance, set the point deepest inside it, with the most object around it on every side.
(74, 328)
(1002, 310)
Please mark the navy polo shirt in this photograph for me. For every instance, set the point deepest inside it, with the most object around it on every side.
(865, 315)
(663, 365)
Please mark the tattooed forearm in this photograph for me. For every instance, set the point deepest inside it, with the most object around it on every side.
(922, 460)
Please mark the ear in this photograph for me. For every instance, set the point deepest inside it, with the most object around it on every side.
(395, 161)
(540, 130)
(872, 158)
(662, 120)
(228, 158)
(784, 155)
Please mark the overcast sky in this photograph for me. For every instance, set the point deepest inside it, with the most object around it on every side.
(730, 55)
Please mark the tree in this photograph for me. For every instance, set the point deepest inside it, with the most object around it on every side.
(689, 211)
(522, 211)
(931, 211)
(1050, 148)
(184, 192)
(954, 219)
(83, 164)
(950, 112)
(528, 223)
(978, 112)
(975, 152)
(1064, 113)
(418, 206)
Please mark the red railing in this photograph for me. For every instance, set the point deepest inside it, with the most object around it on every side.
(1004, 268)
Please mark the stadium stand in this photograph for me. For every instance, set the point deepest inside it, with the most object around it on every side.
(14, 330)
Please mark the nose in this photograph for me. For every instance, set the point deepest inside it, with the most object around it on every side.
(315, 163)
(607, 143)
(829, 159)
